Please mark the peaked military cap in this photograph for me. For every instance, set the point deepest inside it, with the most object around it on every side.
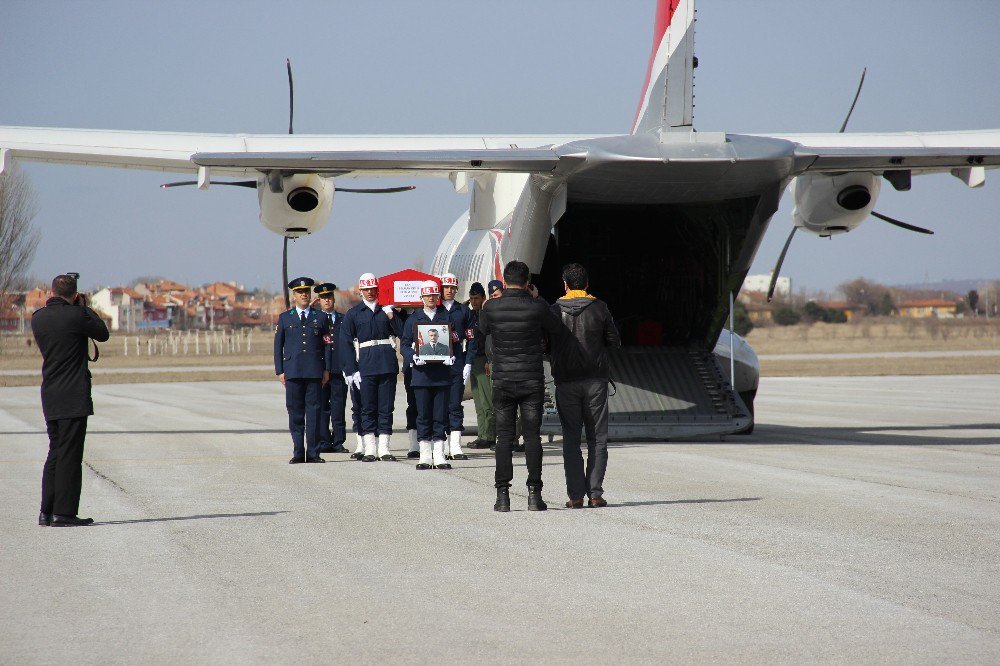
(301, 283)
(325, 289)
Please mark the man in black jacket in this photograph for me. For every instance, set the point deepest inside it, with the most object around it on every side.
(581, 372)
(515, 324)
(62, 330)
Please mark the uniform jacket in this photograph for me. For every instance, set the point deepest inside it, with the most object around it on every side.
(332, 340)
(463, 327)
(515, 324)
(61, 331)
(300, 352)
(592, 332)
(431, 374)
(362, 324)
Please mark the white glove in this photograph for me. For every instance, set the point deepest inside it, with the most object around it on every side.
(347, 378)
(449, 361)
(387, 309)
(466, 373)
(356, 378)
(419, 361)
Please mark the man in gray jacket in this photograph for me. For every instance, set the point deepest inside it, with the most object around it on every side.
(581, 371)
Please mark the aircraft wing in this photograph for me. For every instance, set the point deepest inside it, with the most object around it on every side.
(919, 152)
(249, 154)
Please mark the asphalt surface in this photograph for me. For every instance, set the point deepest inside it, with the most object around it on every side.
(859, 523)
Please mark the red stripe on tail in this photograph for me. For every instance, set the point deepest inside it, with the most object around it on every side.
(664, 14)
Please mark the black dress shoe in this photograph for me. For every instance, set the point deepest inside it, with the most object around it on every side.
(443, 466)
(369, 459)
(338, 448)
(503, 500)
(413, 454)
(358, 456)
(424, 466)
(70, 521)
(44, 519)
(388, 457)
(296, 460)
(460, 456)
(317, 459)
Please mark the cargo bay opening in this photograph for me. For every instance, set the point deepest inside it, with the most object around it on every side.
(665, 272)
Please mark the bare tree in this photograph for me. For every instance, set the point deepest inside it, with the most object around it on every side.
(18, 237)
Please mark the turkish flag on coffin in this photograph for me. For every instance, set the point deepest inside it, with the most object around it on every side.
(403, 287)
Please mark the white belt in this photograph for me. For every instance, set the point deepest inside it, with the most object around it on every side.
(372, 343)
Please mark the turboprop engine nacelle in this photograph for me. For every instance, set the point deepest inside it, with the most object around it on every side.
(827, 205)
(302, 207)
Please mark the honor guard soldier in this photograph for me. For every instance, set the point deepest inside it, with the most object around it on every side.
(462, 322)
(301, 365)
(369, 359)
(332, 429)
(411, 400)
(432, 380)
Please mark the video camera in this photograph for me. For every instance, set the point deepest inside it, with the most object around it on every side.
(82, 300)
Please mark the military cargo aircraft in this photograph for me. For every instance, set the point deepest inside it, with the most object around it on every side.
(696, 204)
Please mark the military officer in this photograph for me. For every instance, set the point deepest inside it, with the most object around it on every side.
(462, 322)
(431, 381)
(334, 402)
(301, 365)
(369, 357)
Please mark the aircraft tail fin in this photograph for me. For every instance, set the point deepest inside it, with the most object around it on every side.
(668, 93)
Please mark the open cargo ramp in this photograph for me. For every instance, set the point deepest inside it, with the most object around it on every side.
(667, 393)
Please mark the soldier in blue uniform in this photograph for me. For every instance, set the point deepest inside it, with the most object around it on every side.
(301, 365)
(463, 325)
(411, 398)
(372, 368)
(431, 381)
(332, 429)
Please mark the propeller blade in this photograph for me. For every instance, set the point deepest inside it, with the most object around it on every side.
(377, 190)
(904, 225)
(777, 267)
(284, 270)
(856, 95)
(236, 183)
(291, 95)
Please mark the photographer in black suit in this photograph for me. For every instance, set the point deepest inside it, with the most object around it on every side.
(62, 330)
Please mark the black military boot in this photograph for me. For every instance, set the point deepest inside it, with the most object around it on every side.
(535, 502)
(503, 499)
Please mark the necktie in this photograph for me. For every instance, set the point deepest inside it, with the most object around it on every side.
(302, 317)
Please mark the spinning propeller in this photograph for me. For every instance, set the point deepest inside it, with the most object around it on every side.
(899, 179)
(253, 184)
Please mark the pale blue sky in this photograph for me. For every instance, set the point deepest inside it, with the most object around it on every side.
(463, 67)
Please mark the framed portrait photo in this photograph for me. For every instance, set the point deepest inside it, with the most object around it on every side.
(434, 342)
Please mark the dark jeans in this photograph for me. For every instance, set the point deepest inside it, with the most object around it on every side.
(62, 475)
(508, 396)
(583, 405)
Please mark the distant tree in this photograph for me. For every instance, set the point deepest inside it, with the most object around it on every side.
(741, 320)
(18, 237)
(973, 299)
(812, 311)
(786, 317)
(870, 297)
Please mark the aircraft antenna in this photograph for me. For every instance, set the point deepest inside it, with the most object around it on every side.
(849, 112)
(291, 96)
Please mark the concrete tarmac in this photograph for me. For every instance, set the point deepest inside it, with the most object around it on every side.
(859, 523)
